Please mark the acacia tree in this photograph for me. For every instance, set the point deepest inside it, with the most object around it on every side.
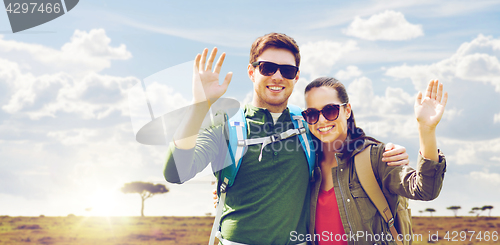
(487, 207)
(430, 210)
(476, 211)
(145, 189)
(454, 209)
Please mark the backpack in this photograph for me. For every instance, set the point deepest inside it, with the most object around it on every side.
(237, 146)
(401, 228)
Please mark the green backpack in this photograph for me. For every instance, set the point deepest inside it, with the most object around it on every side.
(401, 228)
(237, 146)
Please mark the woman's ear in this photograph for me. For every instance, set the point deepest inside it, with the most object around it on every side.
(348, 111)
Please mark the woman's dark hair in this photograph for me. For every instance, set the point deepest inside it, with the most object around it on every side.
(355, 136)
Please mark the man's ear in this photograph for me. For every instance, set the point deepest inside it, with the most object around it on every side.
(297, 77)
(251, 72)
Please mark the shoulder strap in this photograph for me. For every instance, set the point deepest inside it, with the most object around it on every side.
(369, 183)
(238, 142)
(305, 136)
(237, 129)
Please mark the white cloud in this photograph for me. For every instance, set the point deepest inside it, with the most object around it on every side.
(77, 136)
(335, 16)
(479, 67)
(297, 97)
(496, 118)
(85, 52)
(249, 96)
(451, 114)
(362, 97)
(164, 98)
(93, 96)
(361, 93)
(389, 25)
(465, 155)
(348, 73)
(476, 61)
(10, 71)
(33, 92)
(159, 98)
(471, 77)
(38, 88)
(75, 162)
(382, 115)
(94, 44)
(492, 179)
(481, 44)
(468, 152)
(419, 74)
(318, 58)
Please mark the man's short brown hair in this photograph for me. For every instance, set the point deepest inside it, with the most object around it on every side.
(274, 40)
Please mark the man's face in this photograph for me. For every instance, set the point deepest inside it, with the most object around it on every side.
(272, 92)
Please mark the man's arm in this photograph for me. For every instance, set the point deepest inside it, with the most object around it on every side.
(206, 90)
(395, 155)
(183, 164)
(184, 160)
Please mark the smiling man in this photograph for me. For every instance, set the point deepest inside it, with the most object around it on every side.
(270, 195)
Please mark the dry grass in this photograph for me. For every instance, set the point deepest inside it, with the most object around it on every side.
(459, 230)
(193, 230)
(103, 230)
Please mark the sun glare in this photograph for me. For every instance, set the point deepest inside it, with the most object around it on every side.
(102, 203)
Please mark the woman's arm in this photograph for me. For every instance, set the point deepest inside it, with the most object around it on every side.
(423, 183)
(428, 112)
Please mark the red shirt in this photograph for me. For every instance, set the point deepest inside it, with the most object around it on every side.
(328, 223)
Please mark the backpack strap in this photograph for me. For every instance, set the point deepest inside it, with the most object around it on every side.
(237, 146)
(238, 142)
(305, 137)
(274, 138)
(237, 133)
(369, 183)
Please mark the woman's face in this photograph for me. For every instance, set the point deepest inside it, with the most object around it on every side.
(325, 130)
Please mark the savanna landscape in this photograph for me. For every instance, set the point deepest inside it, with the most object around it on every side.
(196, 230)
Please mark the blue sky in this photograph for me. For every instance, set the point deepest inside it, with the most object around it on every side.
(66, 137)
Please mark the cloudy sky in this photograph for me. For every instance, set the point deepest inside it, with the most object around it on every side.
(69, 114)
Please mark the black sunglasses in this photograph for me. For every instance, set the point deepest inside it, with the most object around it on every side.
(330, 112)
(267, 68)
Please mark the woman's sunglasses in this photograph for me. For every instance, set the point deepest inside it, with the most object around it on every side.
(330, 112)
(267, 68)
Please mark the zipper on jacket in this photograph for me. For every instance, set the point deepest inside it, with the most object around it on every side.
(342, 193)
